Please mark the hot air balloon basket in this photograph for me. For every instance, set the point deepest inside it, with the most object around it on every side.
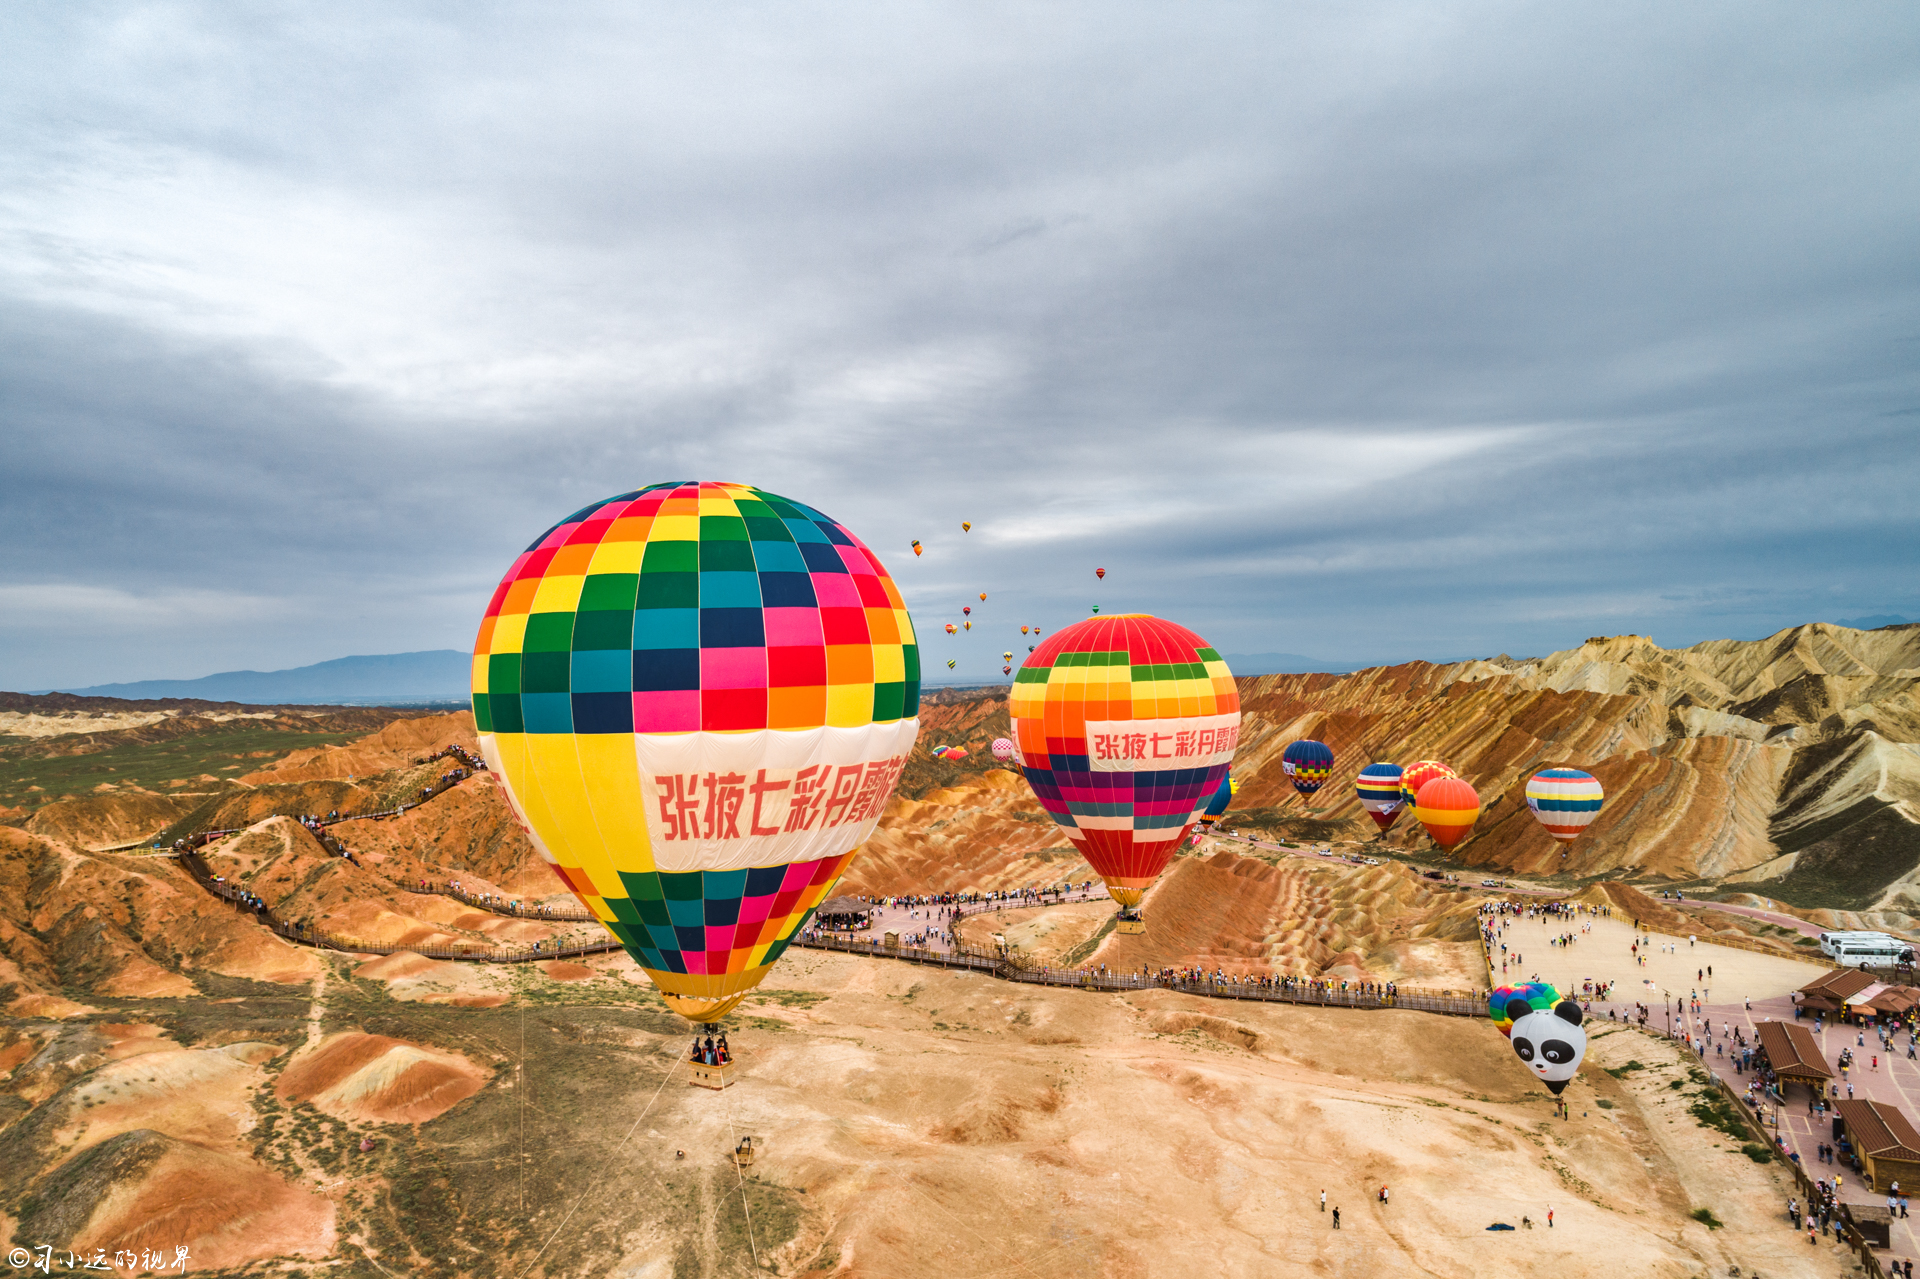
(1129, 923)
(701, 1075)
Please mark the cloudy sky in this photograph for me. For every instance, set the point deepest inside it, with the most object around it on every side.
(1363, 332)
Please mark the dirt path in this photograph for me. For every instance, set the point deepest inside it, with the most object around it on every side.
(317, 1007)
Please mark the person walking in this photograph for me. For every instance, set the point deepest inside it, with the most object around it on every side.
(1323, 1201)
(1336, 1219)
(1549, 1219)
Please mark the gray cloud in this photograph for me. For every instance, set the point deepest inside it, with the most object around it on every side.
(1359, 334)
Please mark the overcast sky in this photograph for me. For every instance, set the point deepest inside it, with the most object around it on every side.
(1363, 332)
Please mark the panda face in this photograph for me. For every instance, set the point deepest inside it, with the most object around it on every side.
(1551, 1042)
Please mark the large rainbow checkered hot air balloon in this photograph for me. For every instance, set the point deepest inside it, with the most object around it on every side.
(697, 698)
(1126, 725)
(1564, 800)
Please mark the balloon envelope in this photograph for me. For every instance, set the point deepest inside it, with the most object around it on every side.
(1307, 764)
(1551, 1041)
(1448, 808)
(697, 699)
(1417, 775)
(1504, 1002)
(1378, 787)
(1125, 725)
(1565, 800)
(965, 526)
(1002, 748)
(1217, 805)
(1099, 572)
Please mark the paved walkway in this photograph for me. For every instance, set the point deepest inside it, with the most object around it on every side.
(933, 921)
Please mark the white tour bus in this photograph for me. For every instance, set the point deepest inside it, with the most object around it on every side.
(1878, 950)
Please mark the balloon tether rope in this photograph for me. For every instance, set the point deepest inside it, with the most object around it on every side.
(581, 1198)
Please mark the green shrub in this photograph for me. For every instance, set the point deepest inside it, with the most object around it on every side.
(1706, 1218)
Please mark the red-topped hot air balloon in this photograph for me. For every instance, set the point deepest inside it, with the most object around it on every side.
(1099, 572)
(966, 609)
(1448, 808)
(1418, 775)
(952, 629)
(1125, 726)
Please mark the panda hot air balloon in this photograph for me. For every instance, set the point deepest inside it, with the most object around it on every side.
(1307, 765)
(1551, 1041)
(697, 698)
(1125, 725)
(1378, 787)
(1564, 800)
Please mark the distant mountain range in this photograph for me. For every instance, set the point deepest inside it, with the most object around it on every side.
(442, 674)
(1875, 622)
(1284, 664)
(437, 675)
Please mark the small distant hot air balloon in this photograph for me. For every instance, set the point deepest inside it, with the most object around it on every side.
(1096, 608)
(1378, 787)
(950, 663)
(983, 596)
(956, 753)
(1007, 656)
(1307, 764)
(1023, 630)
(1006, 670)
(1418, 775)
(1002, 748)
(1448, 808)
(952, 629)
(1229, 787)
(966, 527)
(1029, 648)
(966, 625)
(1099, 572)
(1564, 800)
(916, 546)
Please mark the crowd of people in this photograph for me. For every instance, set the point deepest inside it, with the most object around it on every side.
(711, 1052)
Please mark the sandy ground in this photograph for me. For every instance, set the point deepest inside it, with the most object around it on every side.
(991, 1129)
(1605, 954)
(912, 1117)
